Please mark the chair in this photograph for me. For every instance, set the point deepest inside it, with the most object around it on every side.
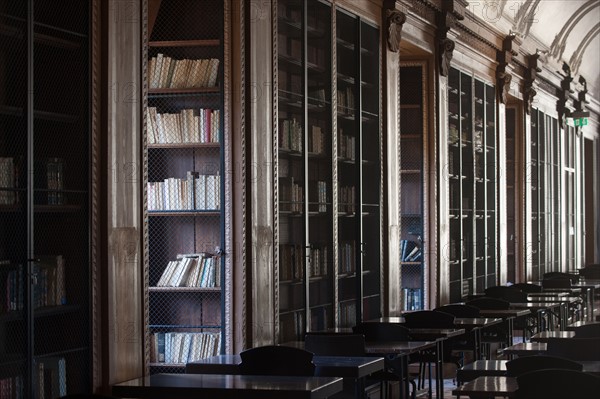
(590, 272)
(277, 360)
(524, 364)
(551, 275)
(87, 396)
(459, 310)
(528, 287)
(574, 348)
(376, 331)
(333, 344)
(489, 303)
(514, 295)
(556, 282)
(557, 383)
(588, 331)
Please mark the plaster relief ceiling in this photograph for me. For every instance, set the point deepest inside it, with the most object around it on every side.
(569, 29)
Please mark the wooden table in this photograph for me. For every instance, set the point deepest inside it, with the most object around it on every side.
(508, 315)
(545, 336)
(193, 386)
(526, 348)
(540, 308)
(488, 386)
(356, 368)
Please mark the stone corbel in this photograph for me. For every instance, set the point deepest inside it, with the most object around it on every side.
(564, 92)
(394, 21)
(504, 57)
(529, 91)
(452, 11)
(446, 49)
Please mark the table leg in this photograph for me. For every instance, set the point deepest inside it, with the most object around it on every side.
(439, 372)
(509, 323)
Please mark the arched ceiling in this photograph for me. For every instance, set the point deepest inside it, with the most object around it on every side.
(569, 29)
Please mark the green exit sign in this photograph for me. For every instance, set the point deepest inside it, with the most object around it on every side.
(581, 121)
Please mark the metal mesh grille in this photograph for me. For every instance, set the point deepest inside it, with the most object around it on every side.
(411, 187)
(185, 228)
(56, 150)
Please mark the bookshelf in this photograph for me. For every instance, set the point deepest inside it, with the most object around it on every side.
(512, 210)
(412, 183)
(328, 168)
(471, 172)
(45, 337)
(184, 192)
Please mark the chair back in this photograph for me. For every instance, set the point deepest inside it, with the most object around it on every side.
(574, 348)
(488, 303)
(509, 294)
(333, 344)
(86, 396)
(277, 360)
(573, 277)
(459, 310)
(428, 319)
(588, 331)
(528, 287)
(376, 331)
(556, 282)
(557, 383)
(524, 364)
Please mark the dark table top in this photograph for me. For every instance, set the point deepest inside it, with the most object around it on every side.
(504, 313)
(498, 367)
(544, 336)
(461, 322)
(526, 348)
(325, 366)
(487, 386)
(184, 386)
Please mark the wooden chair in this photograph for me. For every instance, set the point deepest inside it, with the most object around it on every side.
(588, 331)
(489, 303)
(495, 334)
(528, 287)
(574, 348)
(459, 310)
(87, 396)
(509, 294)
(277, 360)
(557, 383)
(524, 364)
(376, 331)
(550, 275)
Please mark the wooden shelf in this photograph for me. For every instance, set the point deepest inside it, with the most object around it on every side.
(185, 213)
(191, 90)
(184, 289)
(186, 43)
(185, 145)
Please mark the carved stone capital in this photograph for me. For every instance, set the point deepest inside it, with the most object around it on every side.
(503, 83)
(394, 21)
(446, 48)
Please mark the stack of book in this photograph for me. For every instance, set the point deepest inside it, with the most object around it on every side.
(410, 251)
(167, 72)
(195, 192)
(193, 270)
(183, 127)
(183, 347)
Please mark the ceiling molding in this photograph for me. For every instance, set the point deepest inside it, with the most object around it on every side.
(525, 17)
(577, 56)
(557, 48)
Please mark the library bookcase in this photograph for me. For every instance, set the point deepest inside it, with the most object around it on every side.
(45, 183)
(328, 173)
(471, 175)
(185, 153)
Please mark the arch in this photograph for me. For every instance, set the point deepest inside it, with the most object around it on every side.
(557, 48)
(577, 56)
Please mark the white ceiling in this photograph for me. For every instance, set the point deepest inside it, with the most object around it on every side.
(544, 20)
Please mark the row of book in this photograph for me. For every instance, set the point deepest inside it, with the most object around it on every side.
(345, 101)
(195, 192)
(8, 177)
(51, 378)
(346, 145)
(410, 251)
(194, 270)
(167, 72)
(347, 257)
(183, 127)
(346, 199)
(290, 135)
(49, 289)
(55, 181)
(11, 387)
(412, 299)
(292, 326)
(291, 262)
(183, 347)
(291, 196)
(347, 314)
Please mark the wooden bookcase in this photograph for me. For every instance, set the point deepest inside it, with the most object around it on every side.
(185, 207)
(412, 184)
(45, 181)
(328, 168)
(512, 206)
(544, 176)
(471, 171)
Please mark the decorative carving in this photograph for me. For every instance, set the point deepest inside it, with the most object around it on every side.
(504, 57)
(564, 92)
(446, 49)
(529, 91)
(394, 20)
(503, 85)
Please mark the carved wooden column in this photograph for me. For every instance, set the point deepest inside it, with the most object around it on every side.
(124, 202)
(394, 19)
(503, 80)
(452, 10)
